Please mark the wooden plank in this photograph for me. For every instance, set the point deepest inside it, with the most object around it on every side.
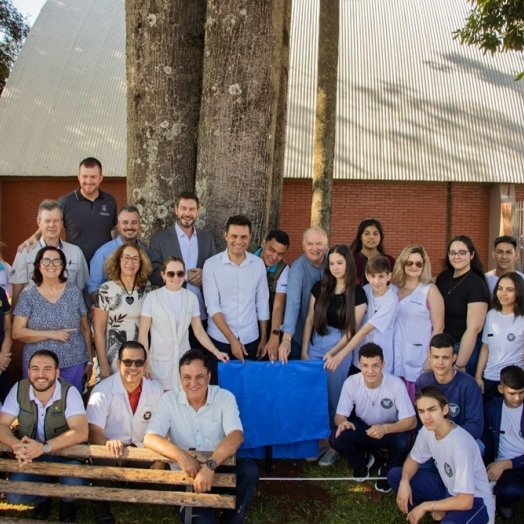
(86, 451)
(172, 498)
(15, 520)
(113, 473)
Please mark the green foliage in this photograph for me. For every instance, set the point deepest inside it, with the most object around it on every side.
(14, 29)
(494, 26)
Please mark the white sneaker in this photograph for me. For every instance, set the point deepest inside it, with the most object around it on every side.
(329, 458)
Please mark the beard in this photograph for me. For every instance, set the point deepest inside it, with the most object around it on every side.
(46, 387)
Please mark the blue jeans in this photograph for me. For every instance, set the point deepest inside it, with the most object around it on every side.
(353, 444)
(471, 366)
(429, 486)
(247, 478)
(15, 498)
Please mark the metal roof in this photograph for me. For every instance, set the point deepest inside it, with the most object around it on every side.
(413, 104)
(66, 97)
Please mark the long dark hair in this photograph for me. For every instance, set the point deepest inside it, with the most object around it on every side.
(37, 274)
(356, 245)
(518, 307)
(346, 311)
(476, 264)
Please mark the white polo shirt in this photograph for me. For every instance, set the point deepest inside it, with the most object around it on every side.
(202, 430)
(109, 409)
(386, 404)
(74, 405)
(459, 463)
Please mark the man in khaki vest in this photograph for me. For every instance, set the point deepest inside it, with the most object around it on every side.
(52, 417)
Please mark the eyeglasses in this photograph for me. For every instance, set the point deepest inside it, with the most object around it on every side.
(138, 363)
(178, 274)
(418, 263)
(55, 262)
(126, 259)
(462, 253)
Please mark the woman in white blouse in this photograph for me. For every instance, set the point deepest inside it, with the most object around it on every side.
(167, 314)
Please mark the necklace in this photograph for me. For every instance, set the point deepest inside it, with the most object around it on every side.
(373, 400)
(129, 299)
(459, 282)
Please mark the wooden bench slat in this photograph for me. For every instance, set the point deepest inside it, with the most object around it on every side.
(86, 451)
(172, 498)
(166, 476)
(16, 520)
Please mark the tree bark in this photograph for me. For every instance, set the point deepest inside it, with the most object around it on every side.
(326, 113)
(236, 166)
(164, 76)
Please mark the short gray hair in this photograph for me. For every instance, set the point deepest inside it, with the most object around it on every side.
(49, 205)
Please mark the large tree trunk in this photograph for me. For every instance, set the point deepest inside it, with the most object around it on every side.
(326, 112)
(164, 76)
(240, 106)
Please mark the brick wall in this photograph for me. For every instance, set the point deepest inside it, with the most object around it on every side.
(409, 212)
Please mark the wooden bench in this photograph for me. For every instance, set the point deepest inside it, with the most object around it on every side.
(114, 473)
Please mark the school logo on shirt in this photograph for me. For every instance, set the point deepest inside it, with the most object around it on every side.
(511, 337)
(103, 210)
(386, 403)
(448, 470)
(454, 410)
(147, 415)
(56, 411)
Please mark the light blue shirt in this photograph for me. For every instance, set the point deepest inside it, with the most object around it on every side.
(96, 268)
(189, 250)
(302, 276)
(240, 293)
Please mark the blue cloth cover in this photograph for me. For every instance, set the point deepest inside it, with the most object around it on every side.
(283, 406)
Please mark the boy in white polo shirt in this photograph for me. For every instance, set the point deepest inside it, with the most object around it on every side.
(374, 412)
(459, 493)
(377, 326)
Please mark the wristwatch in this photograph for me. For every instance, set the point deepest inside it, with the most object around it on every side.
(211, 464)
(46, 447)
(276, 332)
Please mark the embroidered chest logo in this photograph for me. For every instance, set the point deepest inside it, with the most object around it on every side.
(56, 411)
(454, 410)
(147, 415)
(386, 403)
(448, 470)
(511, 337)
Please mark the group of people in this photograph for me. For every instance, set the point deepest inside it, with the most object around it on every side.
(164, 315)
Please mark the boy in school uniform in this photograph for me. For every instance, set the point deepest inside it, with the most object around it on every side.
(504, 440)
(377, 326)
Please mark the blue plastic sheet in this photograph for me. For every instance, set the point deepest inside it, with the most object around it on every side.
(283, 406)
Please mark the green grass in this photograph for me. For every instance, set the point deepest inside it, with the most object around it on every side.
(284, 502)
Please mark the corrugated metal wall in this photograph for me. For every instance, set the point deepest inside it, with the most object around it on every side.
(49, 122)
(413, 104)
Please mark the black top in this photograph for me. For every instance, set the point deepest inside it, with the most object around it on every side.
(88, 224)
(337, 302)
(458, 293)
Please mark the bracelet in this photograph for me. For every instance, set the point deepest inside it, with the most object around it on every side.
(89, 364)
(286, 340)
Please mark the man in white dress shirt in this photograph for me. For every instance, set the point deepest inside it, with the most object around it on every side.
(237, 295)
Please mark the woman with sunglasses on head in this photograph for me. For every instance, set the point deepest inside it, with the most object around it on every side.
(118, 303)
(420, 314)
(466, 299)
(52, 315)
(368, 243)
(166, 316)
(503, 334)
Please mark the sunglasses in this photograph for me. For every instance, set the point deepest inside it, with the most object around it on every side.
(418, 264)
(138, 363)
(178, 274)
